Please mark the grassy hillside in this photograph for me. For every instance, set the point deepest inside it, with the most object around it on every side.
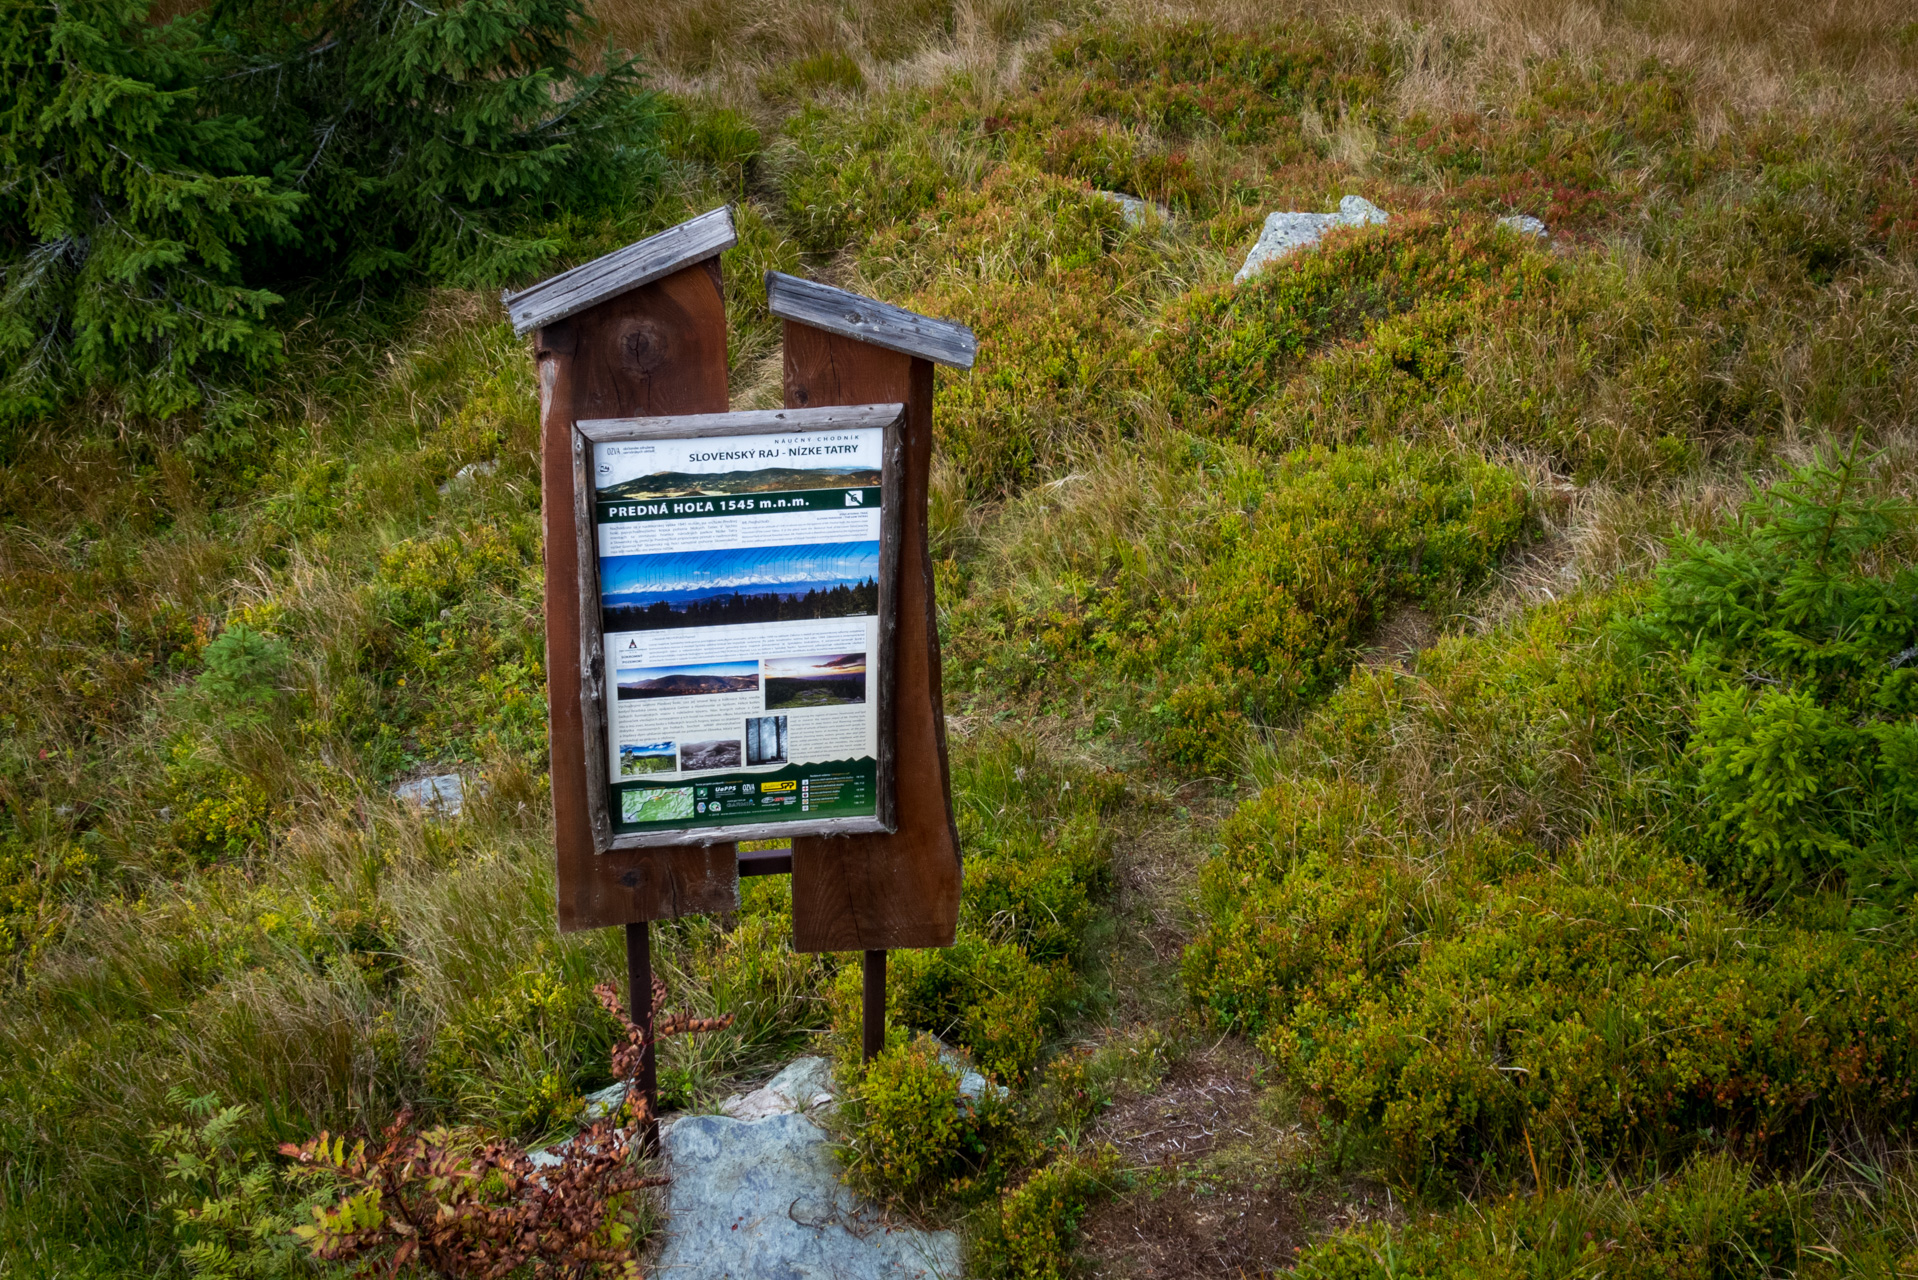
(1454, 687)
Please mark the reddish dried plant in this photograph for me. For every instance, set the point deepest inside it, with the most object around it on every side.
(449, 1205)
(630, 1053)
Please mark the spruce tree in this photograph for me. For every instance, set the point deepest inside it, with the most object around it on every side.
(124, 206)
(165, 186)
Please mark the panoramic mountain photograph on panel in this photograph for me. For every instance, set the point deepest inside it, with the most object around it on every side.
(1403, 524)
(739, 585)
(678, 682)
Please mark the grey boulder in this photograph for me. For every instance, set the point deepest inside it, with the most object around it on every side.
(1131, 208)
(761, 1200)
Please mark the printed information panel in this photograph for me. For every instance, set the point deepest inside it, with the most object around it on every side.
(739, 596)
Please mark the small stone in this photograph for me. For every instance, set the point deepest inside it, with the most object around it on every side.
(804, 1085)
(1131, 208)
(1357, 211)
(1287, 232)
(603, 1103)
(468, 471)
(1525, 224)
(444, 793)
(972, 1085)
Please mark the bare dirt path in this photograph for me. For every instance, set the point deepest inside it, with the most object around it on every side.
(1222, 1177)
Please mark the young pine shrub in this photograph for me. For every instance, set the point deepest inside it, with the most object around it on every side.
(1796, 630)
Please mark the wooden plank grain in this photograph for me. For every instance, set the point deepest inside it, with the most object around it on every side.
(876, 891)
(655, 350)
(852, 315)
(588, 285)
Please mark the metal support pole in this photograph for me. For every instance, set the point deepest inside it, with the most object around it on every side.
(639, 1007)
(872, 1022)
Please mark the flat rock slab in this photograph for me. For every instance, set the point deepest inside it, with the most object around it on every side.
(1288, 231)
(761, 1200)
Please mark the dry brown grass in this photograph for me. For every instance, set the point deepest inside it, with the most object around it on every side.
(1745, 54)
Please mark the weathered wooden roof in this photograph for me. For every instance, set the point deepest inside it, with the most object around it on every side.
(869, 320)
(572, 292)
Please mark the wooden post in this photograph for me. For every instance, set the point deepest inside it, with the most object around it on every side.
(872, 892)
(872, 1014)
(639, 1007)
(640, 332)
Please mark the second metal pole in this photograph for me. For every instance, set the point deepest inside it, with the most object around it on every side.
(639, 1007)
(872, 1022)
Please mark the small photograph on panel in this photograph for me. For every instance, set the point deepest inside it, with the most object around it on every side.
(646, 757)
(697, 757)
(825, 680)
(766, 740)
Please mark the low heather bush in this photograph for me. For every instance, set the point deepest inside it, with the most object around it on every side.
(911, 1134)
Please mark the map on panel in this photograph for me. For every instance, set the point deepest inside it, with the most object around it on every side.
(739, 591)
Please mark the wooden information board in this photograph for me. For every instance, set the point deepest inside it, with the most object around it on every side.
(630, 348)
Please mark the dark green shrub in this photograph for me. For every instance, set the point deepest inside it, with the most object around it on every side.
(127, 208)
(181, 177)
